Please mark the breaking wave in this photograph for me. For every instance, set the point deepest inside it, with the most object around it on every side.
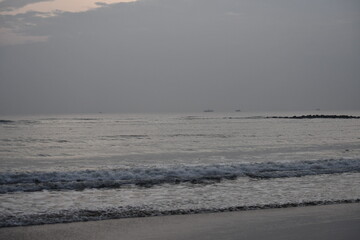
(82, 215)
(147, 177)
(2, 121)
(13, 122)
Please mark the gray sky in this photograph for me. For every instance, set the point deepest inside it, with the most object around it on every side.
(181, 55)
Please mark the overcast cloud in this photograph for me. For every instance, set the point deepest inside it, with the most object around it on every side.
(183, 55)
(13, 4)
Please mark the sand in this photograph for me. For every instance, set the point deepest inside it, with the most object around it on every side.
(340, 221)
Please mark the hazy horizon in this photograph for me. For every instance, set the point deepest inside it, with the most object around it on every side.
(146, 56)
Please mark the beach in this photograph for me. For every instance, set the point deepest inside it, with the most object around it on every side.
(179, 119)
(330, 222)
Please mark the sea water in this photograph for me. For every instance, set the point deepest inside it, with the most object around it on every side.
(66, 168)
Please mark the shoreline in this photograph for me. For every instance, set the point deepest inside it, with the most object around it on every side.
(335, 221)
(138, 212)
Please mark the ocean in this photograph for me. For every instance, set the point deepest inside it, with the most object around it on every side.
(68, 168)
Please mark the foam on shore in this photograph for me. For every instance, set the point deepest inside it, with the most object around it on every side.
(331, 222)
(149, 176)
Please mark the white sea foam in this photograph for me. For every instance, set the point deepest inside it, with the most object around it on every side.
(81, 215)
(115, 178)
(144, 165)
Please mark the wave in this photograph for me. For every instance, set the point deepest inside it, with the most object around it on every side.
(13, 122)
(200, 135)
(126, 137)
(150, 176)
(82, 215)
(76, 118)
(33, 140)
(3, 121)
(250, 117)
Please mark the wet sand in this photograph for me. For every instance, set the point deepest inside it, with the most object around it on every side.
(339, 221)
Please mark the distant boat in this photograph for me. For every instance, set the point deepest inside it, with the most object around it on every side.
(238, 110)
(208, 110)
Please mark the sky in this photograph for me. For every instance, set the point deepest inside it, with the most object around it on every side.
(131, 56)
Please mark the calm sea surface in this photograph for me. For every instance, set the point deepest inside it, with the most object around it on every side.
(65, 168)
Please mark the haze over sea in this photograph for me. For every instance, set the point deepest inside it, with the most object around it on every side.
(67, 168)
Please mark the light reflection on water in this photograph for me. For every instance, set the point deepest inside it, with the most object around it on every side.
(69, 143)
(227, 193)
(98, 141)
